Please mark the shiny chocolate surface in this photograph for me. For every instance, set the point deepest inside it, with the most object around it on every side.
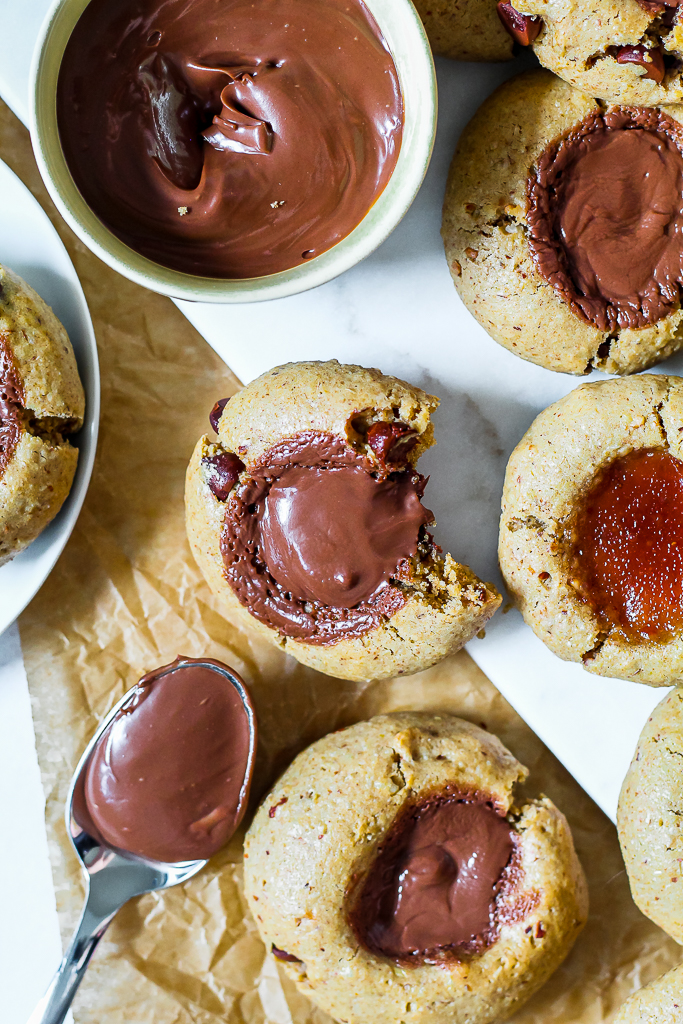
(170, 776)
(432, 888)
(605, 217)
(233, 139)
(314, 541)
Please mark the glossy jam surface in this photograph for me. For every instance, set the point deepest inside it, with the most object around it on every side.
(628, 545)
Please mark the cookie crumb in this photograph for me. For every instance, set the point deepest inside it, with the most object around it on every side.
(182, 210)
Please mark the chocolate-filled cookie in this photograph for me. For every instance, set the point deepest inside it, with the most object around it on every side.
(591, 531)
(563, 226)
(465, 29)
(306, 516)
(41, 404)
(660, 1002)
(650, 818)
(622, 51)
(396, 877)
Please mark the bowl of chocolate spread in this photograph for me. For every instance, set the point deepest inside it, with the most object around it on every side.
(233, 151)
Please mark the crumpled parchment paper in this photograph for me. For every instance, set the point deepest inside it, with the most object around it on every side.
(126, 596)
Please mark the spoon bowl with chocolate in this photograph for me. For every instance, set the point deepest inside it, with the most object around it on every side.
(161, 787)
(234, 151)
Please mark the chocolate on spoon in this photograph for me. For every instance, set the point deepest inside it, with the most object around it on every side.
(162, 785)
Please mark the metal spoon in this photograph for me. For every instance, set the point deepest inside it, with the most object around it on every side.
(112, 878)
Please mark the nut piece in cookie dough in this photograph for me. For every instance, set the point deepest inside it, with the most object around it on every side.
(650, 818)
(591, 531)
(466, 29)
(563, 226)
(660, 1002)
(358, 870)
(306, 518)
(622, 51)
(41, 404)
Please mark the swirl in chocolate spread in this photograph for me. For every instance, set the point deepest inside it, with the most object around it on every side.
(605, 217)
(11, 405)
(314, 542)
(234, 139)
(434, 889)
(169, 778)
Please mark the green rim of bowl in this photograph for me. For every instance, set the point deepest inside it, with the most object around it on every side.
(404, 34)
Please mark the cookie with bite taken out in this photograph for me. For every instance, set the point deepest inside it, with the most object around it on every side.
(306, 517)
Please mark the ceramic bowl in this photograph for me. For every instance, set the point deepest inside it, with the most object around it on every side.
(405, 37)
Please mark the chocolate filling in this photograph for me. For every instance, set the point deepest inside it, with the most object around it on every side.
(658, 7)
(169, 778)
(605, 217)
(432, 891)
(314, 543)
(229, 139)
(11, 406)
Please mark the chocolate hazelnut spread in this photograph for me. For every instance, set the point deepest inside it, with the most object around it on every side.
(169, 778)
(11, 405)
(431, 891)
(605, 217)
(627, 542)
(231, 139)
(314, 542)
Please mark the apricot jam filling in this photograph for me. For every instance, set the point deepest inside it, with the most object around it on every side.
(627, 545)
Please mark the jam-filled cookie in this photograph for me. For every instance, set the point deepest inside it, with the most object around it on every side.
(395, 876)
(465, 29)
(650, 818)
(41, 403)
(591, 532)
(623, 51)
(563, 226)
(660, 1002)
(306, 516)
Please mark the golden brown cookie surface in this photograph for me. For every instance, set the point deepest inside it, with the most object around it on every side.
(548, 221)
(322, 830)
(660, 1002)
(465, 29)
(590, 514)
(42, 403)
(622, 51)
(650, 818)
(283, 435)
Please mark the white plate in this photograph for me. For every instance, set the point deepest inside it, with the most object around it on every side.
(31, 247)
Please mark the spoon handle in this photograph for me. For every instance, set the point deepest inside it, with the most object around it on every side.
(54, 1006)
